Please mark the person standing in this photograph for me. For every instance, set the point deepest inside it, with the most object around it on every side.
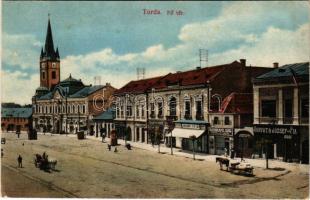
(20, 161)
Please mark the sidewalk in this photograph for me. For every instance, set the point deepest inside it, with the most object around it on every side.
(199, 156)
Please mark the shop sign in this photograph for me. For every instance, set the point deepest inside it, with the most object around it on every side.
(288, 137)
(221, 131)
(281, 130)
(192, 126)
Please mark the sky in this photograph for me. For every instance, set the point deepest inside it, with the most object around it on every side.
(113, 39)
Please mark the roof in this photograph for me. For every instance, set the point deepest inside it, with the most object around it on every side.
(106, 115)
(16, 112)
(240, 103)
(192, 77)
(86, 91)
(286, 72)
(49, 51)
(138, 86)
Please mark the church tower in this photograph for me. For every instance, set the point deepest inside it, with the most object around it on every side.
(49, 62)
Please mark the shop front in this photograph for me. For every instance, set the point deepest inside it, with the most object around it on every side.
(184, 132)
(278, 141)
(243, 142)
(120, 128)
(220, 141)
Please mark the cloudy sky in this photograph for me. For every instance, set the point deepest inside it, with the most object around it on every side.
(112, 39)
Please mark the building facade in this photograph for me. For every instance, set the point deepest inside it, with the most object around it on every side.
(178, 104)
(65, 106)
(281, 113)
(16, 119)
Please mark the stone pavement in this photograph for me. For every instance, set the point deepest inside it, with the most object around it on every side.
(258, 162)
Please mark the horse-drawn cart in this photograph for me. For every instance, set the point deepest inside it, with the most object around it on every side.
(235, 167)
(44, 163)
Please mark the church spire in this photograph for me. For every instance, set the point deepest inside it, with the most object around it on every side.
(49, 44)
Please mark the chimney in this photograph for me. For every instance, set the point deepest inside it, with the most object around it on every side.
(243, 62)
(108, 84)
(197, 68)
(275, 65)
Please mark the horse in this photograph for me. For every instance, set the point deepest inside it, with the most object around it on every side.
(222, 161)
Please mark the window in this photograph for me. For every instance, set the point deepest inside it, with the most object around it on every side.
(53, 74)
(199, 110)
(53, 65)
(73, 109)
(160, 109)
(226, 121)
(288, 108)
(137, 111)
(216, 120)
(268, 108)
(117, 112)
(187, 110)
(172, 106)
(152, 110)
(142, 110)
(43, 75)
(304, 108)
(129, 111)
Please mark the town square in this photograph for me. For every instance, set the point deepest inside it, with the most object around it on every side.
(153, 100)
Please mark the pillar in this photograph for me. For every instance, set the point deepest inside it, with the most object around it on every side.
(280, 106)
(140, 134)
(256, 104)
(295, 107)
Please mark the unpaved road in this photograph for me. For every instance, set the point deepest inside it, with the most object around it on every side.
(87, 169)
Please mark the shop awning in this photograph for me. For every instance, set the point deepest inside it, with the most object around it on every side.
(185, 133)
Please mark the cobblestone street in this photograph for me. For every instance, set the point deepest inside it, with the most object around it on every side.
(86, 168)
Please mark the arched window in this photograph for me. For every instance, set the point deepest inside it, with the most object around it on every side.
(172, 106)
(187, 107)
(73, 108)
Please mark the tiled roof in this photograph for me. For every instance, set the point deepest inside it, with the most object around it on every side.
(138, 86)
(106, 115)
(16, 112)
(300, 69)
(241, 103)
(86, 91)
(192, 77)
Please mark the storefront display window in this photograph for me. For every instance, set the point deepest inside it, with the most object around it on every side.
(268, 108)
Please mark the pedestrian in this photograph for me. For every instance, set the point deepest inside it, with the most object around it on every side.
(2, 153)
(18, 133)
(115, 150)
(109, 147)
(20, 161)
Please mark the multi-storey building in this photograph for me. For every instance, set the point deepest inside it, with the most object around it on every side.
(16, 119)
(68, 105)
(131, 110)
(188, 97)
(179, 102)
(230, 128)
(281, 113)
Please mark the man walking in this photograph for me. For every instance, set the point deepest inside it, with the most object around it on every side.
(20, 161)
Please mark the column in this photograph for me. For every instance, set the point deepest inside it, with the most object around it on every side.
(256, 105)
(280, 106)
(140, 134)
(275, 150)
(295, 106)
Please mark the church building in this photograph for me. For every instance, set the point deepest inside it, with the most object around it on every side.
(69, 105)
